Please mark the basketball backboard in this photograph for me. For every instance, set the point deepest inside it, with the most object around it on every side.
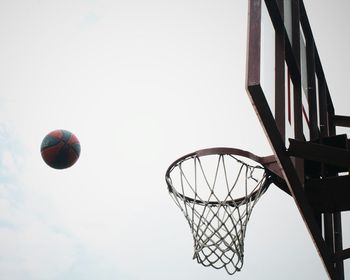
(289, 91)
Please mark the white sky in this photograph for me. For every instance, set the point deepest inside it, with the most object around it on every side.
(140, 83)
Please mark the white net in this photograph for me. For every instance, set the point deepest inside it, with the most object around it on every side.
(217, 193)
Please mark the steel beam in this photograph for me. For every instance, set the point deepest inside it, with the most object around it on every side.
(319, 152)
(330, 194)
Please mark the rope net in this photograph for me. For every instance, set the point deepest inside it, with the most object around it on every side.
(217, 193)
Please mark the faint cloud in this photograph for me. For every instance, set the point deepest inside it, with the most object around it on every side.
(90, 267)
(8, 161)
(6, 224)
(90, 19)
(11, 153)
(34, 252)
(30, 248)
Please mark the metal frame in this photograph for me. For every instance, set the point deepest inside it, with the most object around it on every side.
(268, 162)
(312, 203)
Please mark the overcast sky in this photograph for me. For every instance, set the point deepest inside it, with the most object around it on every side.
(140, 83)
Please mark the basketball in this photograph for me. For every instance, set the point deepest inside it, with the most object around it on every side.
(60, 149)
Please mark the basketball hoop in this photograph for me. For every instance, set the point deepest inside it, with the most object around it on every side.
(216, 189)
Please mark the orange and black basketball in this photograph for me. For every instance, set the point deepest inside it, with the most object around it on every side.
(60, 149)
